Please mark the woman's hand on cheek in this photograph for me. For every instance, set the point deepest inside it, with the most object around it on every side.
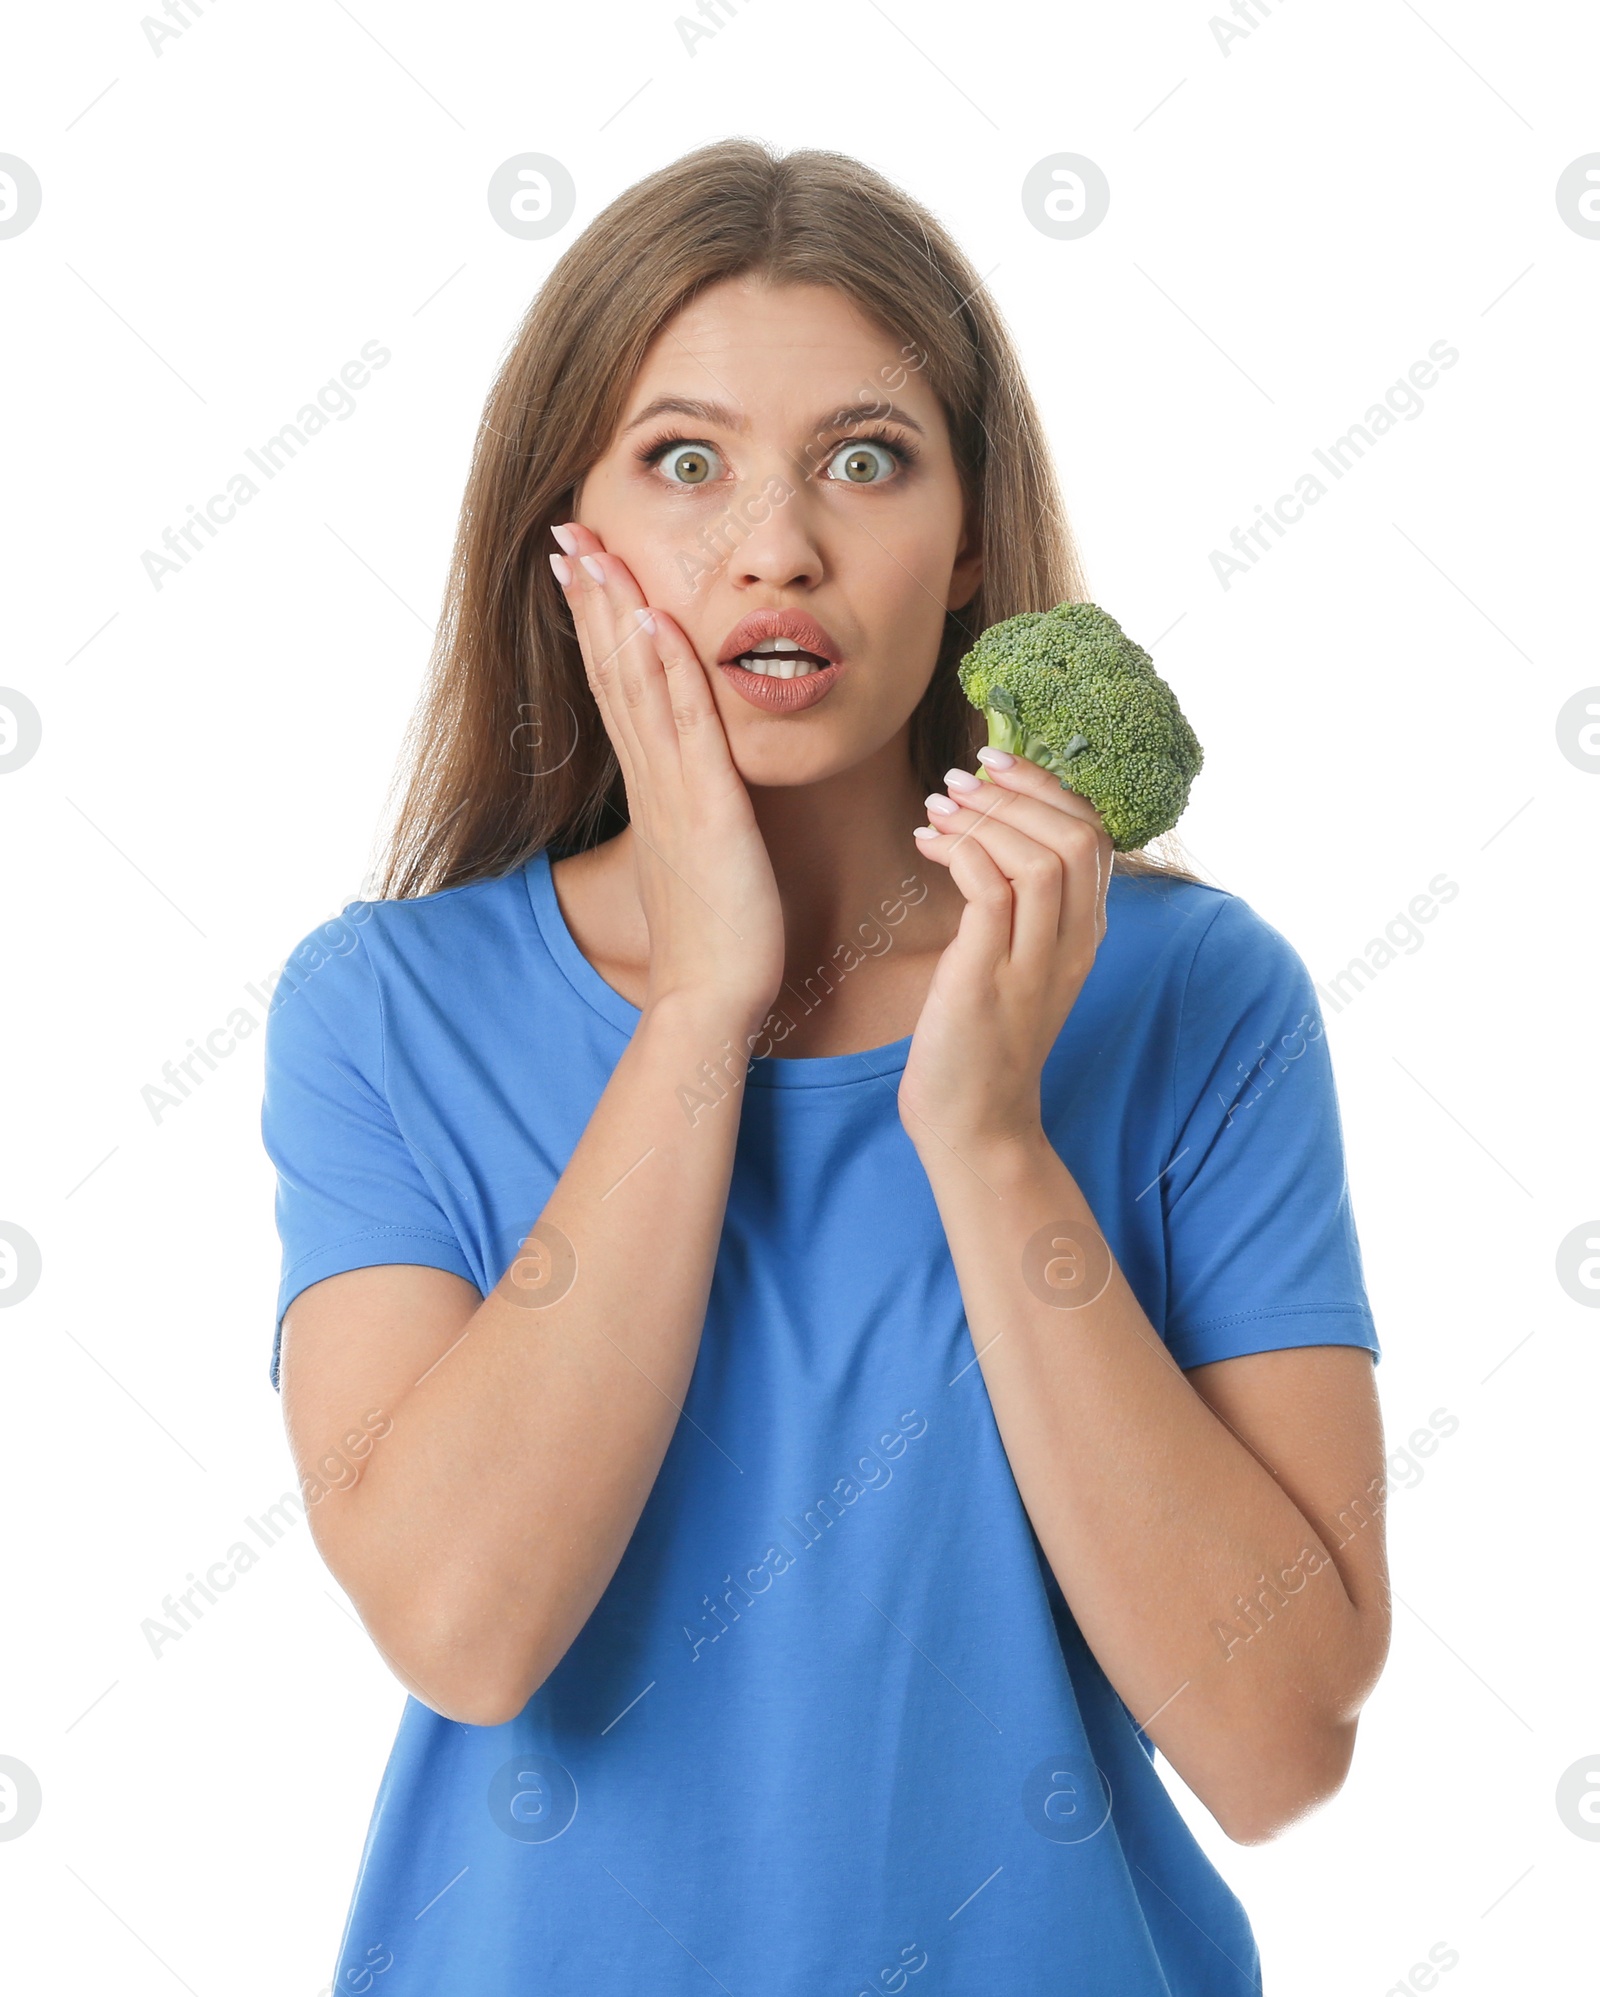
(706, 884)
(1033, 862)
(603, 596)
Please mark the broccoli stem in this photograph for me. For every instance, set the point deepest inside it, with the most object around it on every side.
(1006, 732)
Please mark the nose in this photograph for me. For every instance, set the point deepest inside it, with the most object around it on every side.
(778, 546)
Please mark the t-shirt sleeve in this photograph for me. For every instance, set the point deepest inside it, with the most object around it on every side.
(351, 1193)
(1261, 1240)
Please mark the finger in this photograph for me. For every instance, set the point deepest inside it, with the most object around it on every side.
(665, 688)
(1019, 777)
(1022, 780)
(677, 685)
(1084, 858)
(702, 739)
(576, 587)
(576, 542)
(574, 581)
(627, 660)
(1035, 872)
(1066, 822)
(932, 845)
(985, 925)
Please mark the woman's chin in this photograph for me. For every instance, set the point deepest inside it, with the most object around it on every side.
(770, 758)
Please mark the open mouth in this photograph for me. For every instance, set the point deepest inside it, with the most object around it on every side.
(780, 659)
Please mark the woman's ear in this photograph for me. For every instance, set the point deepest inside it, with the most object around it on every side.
(966, 576)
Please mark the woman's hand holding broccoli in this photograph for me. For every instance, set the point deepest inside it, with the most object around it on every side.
(1033, 861)
(1088, 753)
(706, 883)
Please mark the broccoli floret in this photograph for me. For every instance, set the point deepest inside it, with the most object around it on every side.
(1068, 689)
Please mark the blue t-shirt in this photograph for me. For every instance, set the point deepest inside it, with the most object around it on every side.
(832, 1725)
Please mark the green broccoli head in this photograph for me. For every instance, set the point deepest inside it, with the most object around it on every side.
(1068, 689)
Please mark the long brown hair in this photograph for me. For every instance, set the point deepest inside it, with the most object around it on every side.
(507, 753)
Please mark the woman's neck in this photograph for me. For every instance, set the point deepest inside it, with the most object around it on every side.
(866, 914)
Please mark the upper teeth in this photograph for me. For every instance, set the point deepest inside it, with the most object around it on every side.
(759, 659)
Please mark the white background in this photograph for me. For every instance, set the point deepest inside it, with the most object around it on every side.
(1293, 223)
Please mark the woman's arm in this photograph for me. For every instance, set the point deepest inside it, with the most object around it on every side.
(485, 1524)
(1219, 1537)
(488, 1518)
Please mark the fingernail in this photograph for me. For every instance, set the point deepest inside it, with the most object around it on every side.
(563, 569)
(997, 759)
(565, 539)
(646, 621)
(926, 832)
(962, 780)
(593, 567)
(941, 807)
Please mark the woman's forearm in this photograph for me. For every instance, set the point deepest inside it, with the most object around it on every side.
(487, 1526)
(1162, 1527)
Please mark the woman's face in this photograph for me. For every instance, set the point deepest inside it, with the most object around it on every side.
(779, 452)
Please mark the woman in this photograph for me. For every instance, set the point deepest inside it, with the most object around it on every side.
(815, 1342)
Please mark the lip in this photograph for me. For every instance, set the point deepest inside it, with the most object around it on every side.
(806, 632)
(782, 696)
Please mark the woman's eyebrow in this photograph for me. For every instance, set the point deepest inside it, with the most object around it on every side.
(733, 419)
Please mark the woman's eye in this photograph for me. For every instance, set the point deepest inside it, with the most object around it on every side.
(863, 463)
(689, 464)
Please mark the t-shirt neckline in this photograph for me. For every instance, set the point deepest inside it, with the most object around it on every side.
(774, 1071)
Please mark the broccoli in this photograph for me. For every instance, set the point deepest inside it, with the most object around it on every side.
(1068, 689)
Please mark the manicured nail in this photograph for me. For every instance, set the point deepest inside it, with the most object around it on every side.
(565, 539)
(646, 621)
(563, 569)
(997, 759)
(941, 807)
(593, 567)
(926, 832)
(962, 780)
